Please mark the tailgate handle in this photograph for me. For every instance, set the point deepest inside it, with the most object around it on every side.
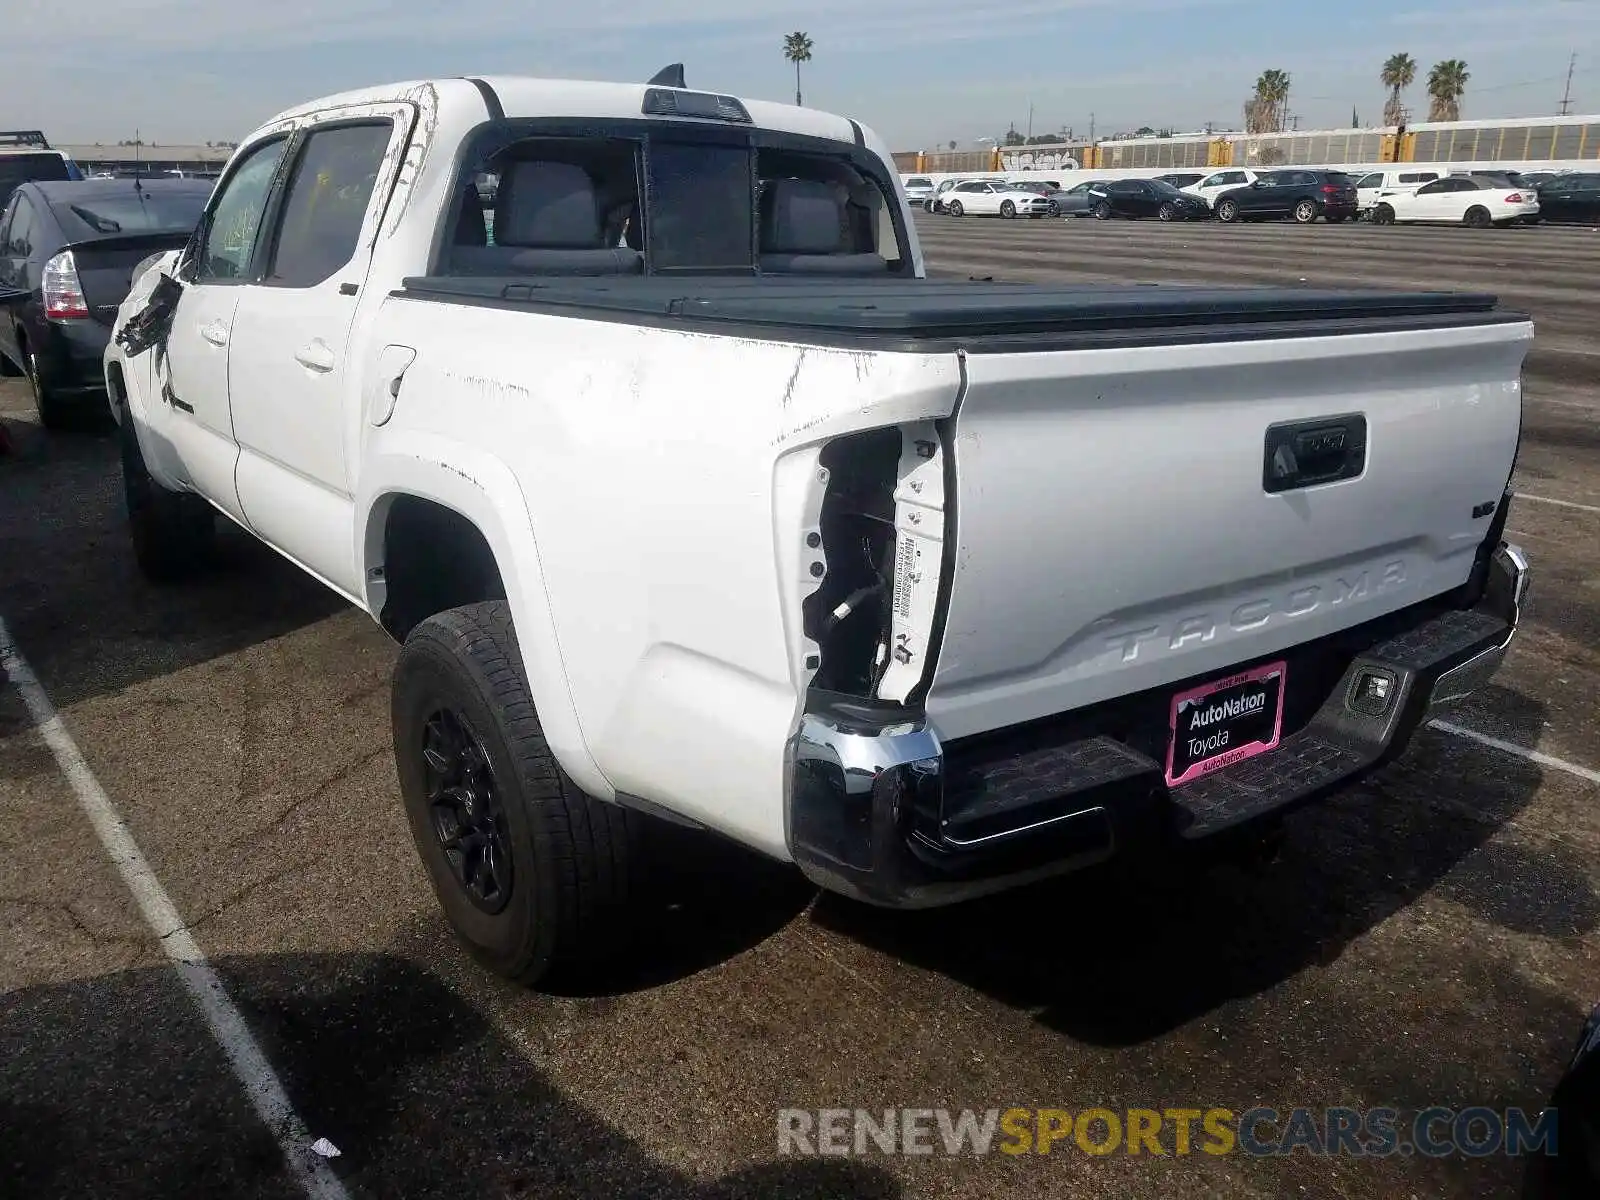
(1323, 450)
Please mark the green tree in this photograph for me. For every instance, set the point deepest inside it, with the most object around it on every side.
(797, 49)
(1265, 110)
(1399, 71)
(1447, 82)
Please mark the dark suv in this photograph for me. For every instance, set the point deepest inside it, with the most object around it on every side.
(1299, 193)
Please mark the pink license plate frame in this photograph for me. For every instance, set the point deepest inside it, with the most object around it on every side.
(1255, 680)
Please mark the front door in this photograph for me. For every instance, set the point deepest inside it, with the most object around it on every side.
(294, 412)
(190, 404)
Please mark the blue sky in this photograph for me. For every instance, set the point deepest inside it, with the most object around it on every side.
(922, 72)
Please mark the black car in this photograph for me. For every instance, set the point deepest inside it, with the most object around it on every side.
(1145, 198)
(72, 247)
(1300, 194)
(1571, 198)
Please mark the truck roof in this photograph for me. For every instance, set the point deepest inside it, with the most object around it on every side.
(530, 96)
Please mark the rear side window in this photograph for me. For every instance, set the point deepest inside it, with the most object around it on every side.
(24, 234)
(326, 204)
(149, 210)
(17, 169)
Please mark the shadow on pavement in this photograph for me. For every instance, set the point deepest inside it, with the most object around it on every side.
(1118, 957)
(75, 601)
(112, 1087)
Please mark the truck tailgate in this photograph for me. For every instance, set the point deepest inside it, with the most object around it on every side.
(1128, 518)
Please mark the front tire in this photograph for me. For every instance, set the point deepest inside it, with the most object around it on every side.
(1227, 211)
(1102, 210)
(1383, 215)
(173, 532)
(533, 875)
(954, 208)
(1166, 212)
(1007, 209)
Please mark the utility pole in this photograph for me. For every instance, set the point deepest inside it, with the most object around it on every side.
(1091, 129)
(1030, 123)
(1566, 95)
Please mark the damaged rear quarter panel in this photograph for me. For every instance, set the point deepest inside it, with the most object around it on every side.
(667, 477)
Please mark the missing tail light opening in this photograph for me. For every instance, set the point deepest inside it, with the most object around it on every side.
(883, 532)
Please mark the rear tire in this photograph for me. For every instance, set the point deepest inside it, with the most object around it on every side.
(53, 411)
(1007, 209)
(173, 532)
(1477, 218)
(1305, 212)
(1227, 211)
(566, 862)
(954, 208)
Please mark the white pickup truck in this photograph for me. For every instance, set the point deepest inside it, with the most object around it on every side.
(628, 411)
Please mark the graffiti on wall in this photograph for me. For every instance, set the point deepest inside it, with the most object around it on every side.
(1038, 160)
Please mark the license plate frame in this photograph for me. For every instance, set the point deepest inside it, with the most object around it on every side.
(1245, 732)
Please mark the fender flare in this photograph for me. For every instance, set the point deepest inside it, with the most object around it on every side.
(483, 490)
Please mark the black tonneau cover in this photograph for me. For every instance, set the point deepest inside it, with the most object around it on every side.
(978, 315)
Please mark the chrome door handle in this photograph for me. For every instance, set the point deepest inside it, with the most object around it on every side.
(216, 333)
(315, 357)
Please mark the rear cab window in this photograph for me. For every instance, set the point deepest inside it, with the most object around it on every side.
(668, 197)
(94, 214)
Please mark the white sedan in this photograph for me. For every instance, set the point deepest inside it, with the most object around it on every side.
(1458, 200)
(980, 197)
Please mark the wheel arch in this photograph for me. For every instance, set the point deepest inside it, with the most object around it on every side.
(419, 489)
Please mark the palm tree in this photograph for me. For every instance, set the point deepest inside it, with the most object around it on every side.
(1446, 83)
(797, 49)
(1399, 70)
(1264, 111)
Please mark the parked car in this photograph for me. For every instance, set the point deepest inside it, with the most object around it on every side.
(1182, 180)
(829, 634)
(1076, 200)
(935, 202)
(1211, 186)
(980, 198)
(1458, 200)
(918, 188)
(72, 247)
(1372, 183)
(1568, 1168)
(1137, 198)
(1571, 198)
(26, 156)
(1300, 194)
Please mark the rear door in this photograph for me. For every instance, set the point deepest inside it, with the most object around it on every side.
(1116, 532)
(290, 372)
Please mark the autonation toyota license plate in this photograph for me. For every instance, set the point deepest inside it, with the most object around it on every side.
(1225, 721)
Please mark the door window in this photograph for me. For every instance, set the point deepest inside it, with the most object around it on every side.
(325, 205)
(235, 220)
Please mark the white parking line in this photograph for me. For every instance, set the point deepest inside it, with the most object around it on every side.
(1588, 508)
(1533, 756)
(227, 1024)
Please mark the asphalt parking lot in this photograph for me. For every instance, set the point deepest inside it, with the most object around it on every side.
(1432, 937)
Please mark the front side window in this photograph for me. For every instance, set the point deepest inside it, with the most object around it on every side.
(326, 203)
(235, 221)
